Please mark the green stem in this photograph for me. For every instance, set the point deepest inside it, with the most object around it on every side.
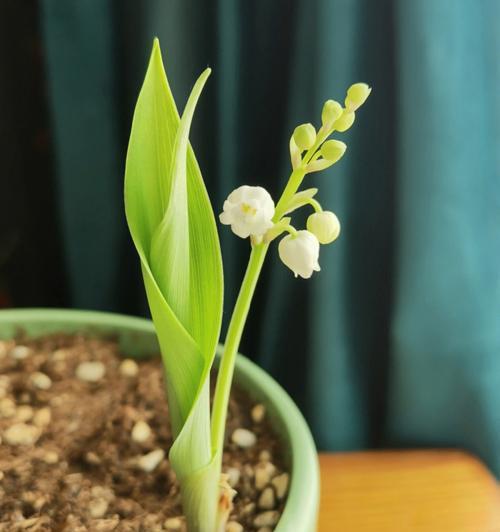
(240, 313)
(315, 205)
(233, 337)
(290, 189)
(297, 176)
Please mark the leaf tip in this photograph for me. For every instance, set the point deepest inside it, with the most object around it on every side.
(156, 52)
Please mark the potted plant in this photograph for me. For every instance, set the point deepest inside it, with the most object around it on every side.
(174, 230)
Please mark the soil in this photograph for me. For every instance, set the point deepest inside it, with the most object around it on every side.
(73, 459)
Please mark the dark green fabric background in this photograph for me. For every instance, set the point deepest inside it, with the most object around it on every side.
(397, 340)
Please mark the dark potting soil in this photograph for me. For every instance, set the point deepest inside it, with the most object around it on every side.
(84, 447)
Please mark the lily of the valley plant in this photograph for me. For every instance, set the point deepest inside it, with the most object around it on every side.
(174, 230)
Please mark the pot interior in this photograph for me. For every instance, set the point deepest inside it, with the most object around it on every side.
(137, 338)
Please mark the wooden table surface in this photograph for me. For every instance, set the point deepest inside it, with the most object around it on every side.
(407, 491)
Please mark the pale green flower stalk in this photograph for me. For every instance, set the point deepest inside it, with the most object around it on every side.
(173, 228)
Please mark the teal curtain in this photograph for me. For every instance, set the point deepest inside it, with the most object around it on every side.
(396, 342)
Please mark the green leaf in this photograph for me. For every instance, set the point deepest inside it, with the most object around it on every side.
(173, 227)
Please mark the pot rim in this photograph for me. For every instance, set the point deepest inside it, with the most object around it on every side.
(301, 508)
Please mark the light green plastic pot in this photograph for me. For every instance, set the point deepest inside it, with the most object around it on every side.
(137, 338)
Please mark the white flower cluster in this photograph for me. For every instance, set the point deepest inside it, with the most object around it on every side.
(250, 211)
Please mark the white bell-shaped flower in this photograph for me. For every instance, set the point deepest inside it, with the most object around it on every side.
(249, 211)
(324, 225)
(300, 253)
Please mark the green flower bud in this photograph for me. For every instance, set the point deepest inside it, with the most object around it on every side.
(357, 95)
(332, 110)
(325, 226)
(332, 150)
(304, 136)
(345, 121)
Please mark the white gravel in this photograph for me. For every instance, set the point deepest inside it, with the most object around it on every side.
(129, 368)
(90, 371)
(269, 518)
(149, 462)
(21, 434)
(267, 499)
(41, 381)
(244, 438)
(42, 417)
(281, 483)
(141, 432)
(20, 352)
(258, 413)
(264, 472)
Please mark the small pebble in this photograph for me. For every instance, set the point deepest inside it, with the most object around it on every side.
(248, 508)
(59, 354)
(150, 461)
(92, 458)
(233, 476)
(141, 432)
(129, 368)
(264, 472)
(98, 508)
(21, 434)
(258, 413)
(90, 371)
(106, 525)
(280, 483)
(51, 457)
(269, 518)
(41, 381)
(42, 417)
(24, 413)
(267, 500)
(265, 456)
(31, 523)
(20, 352)
(101, 492)
(234, 526)
(173, 523)
(7, 407)
(244, 438)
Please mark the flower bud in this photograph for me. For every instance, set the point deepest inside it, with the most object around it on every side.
(357, 95)
(345, 121)
(300, 253)
(333, 150)
(249, 211)
(304, 136)
(325, 226)
(331, 112)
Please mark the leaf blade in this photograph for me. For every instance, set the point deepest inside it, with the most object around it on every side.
(174, 230)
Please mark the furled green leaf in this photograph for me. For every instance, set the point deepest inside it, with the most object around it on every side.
(173, 228)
